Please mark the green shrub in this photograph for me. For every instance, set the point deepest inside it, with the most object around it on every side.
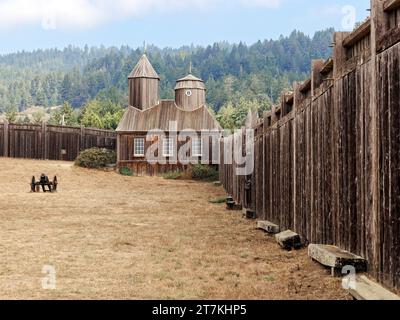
(204, 172)
(126, 172)
(95, 158)
(173, 175)
(218, 200)
(197, 172)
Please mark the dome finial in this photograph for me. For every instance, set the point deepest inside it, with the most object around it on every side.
(190, 67)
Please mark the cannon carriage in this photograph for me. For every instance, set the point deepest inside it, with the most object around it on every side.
(44, 182)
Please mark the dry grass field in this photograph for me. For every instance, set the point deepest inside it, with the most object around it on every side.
(114, 237)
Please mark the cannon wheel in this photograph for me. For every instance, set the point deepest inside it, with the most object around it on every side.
(55, 183)
(33, 184)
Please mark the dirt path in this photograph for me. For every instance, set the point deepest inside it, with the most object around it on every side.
(114, 237)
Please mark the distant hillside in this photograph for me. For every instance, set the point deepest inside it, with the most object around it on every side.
(52, 77)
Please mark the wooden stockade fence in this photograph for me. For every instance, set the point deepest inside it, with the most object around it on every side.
(51, 142)
(327, 160)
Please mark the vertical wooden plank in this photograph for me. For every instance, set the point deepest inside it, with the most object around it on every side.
(394, 155)
(6, 138)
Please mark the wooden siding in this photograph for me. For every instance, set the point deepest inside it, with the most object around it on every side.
(143, 93)
(143, 168)
(389, 161)
(143, 85)
(190, 103)
(141, 165)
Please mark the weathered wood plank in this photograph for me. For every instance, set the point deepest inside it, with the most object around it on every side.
(268, 227)
(288, 240)
(333, 257)
(365, 289)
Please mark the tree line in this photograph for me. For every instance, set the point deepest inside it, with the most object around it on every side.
(94, 80)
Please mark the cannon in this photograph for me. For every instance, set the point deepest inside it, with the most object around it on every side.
(44, 182)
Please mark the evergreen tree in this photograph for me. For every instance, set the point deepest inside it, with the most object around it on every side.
(12, 114)
(65, 115)
(38, 117)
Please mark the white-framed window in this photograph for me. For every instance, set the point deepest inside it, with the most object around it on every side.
(197, 147)
(168, 147)
(139, 147)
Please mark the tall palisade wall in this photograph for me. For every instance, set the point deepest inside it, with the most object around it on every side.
(327, 160)
(51, 142)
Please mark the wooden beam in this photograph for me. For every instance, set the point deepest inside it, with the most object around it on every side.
(391, 5)
(268, 227)
(275, 114)
(333, 257)
(316, 76)
(373, 192)
(289, 98)
(365, 289)
(358, 34)
(288, 240)
(388, 40)
(339, 53)
(285, 106)
(328, 66)
(379, 24)
(306, 86)
(297, 96)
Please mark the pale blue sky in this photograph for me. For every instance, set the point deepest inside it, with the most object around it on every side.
(32, 24)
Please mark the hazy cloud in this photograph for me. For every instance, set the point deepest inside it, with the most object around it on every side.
(261, 3)
(77, 14)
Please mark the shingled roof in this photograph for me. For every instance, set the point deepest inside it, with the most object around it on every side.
(159, 117)
(190, 82)
(144, 69)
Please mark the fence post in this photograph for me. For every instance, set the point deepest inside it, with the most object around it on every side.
(297, 96)
(44, 141)
(339, 53)
(296, 103)
(5, 146)
(316, 77)
(118, 149)
(82, 142)
(377, 24)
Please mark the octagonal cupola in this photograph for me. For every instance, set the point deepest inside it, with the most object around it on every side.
(190, 93)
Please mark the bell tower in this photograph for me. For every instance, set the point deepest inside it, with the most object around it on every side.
(143, 85)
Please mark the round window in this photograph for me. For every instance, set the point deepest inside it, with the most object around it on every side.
(188, 93)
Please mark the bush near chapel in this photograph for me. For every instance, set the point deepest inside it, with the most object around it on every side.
(96, 158)
(126, 172)
(204, 172)
(197, 172)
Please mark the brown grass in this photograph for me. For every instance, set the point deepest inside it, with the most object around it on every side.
(114, 237)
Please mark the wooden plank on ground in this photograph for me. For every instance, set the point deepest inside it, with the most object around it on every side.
(365, 289)
(334, 257)
(268, 227)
